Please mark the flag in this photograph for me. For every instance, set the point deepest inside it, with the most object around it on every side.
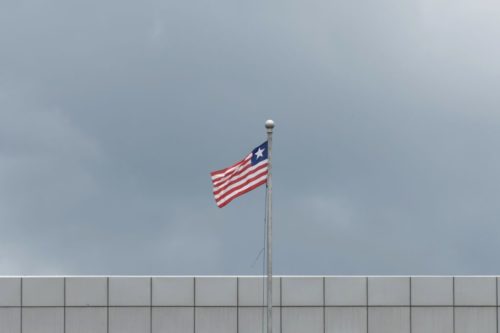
(241, 177)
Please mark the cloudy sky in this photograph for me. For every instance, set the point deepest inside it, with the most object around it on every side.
(386, 152)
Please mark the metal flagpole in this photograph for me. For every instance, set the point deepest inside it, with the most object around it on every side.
(269, 127)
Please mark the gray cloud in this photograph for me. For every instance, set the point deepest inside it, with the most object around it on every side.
(112, 114)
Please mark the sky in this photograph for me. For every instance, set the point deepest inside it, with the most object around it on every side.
(385, 155)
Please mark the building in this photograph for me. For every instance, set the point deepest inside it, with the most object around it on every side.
(234, 304)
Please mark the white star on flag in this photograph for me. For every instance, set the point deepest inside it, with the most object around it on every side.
(259, 153)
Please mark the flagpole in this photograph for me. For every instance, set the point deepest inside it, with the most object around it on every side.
(269, 127)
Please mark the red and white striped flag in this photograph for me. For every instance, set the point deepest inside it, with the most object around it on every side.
(242, 177)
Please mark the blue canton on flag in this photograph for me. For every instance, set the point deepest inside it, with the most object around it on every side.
(259, 153)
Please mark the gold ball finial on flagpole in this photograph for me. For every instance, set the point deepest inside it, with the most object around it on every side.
(269, 124)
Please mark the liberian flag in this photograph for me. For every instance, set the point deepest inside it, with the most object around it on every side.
(242, 177)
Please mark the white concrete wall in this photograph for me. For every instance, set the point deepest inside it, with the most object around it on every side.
(331, 304)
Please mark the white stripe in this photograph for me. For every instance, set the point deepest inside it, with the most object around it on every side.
(217, 182)
(222, 182)
(235, 193)
(221, 194)
(222, 174)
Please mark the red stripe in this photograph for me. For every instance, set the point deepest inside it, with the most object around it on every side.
(241, 193)
(217, 182)
(214, 173)
(235, 172)
(235, 180)
(239, 187)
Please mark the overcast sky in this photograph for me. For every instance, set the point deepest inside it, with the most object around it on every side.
(386, 150)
